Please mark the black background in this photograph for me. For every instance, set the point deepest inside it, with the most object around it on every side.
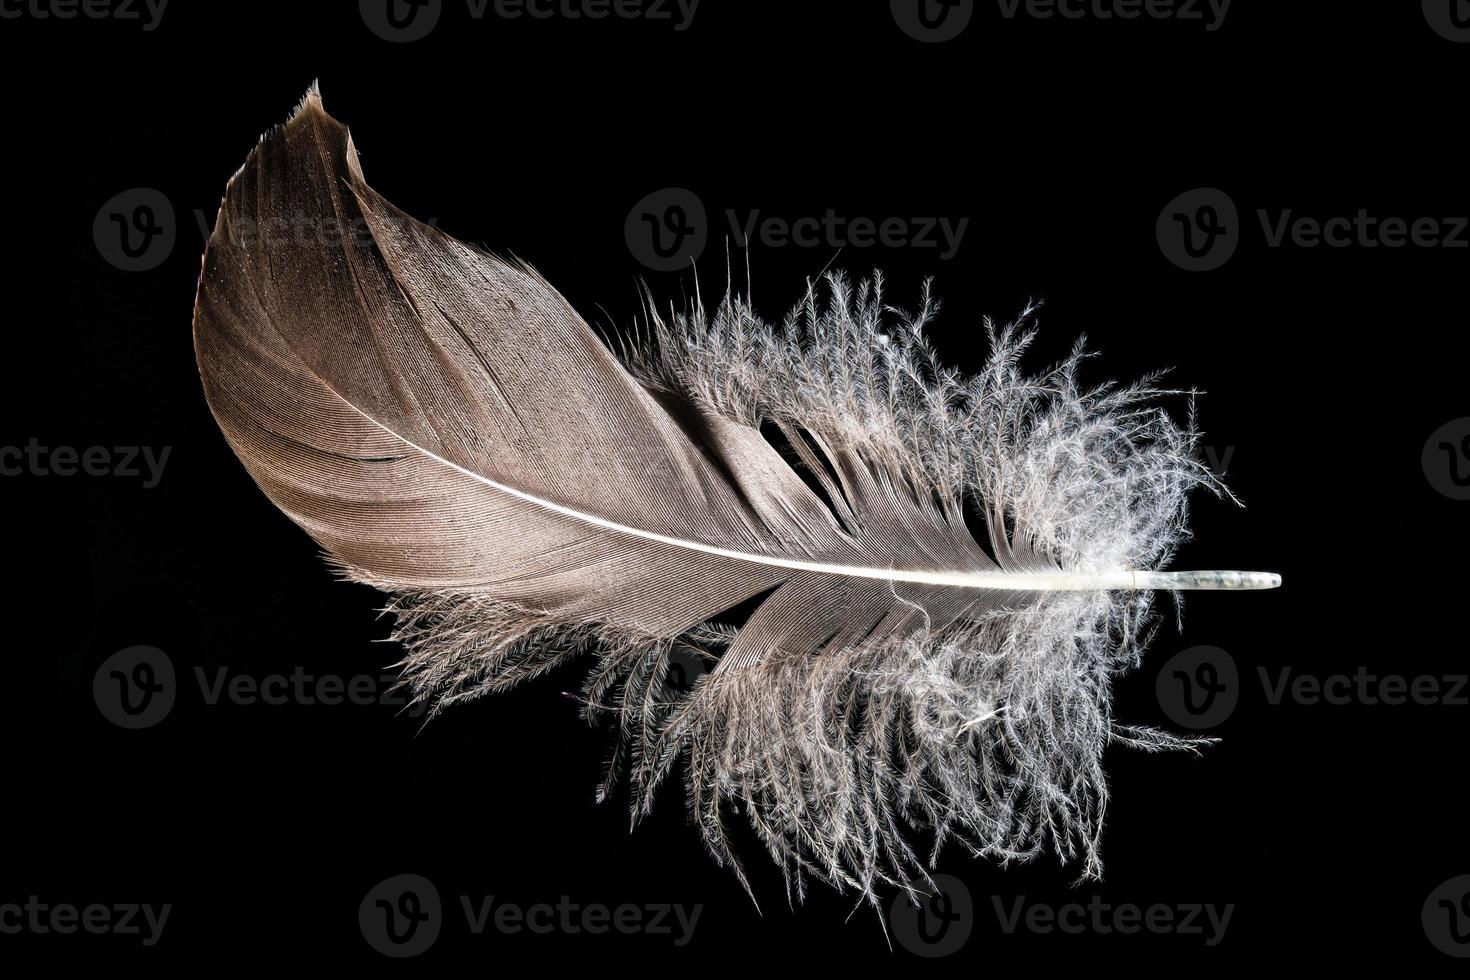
(1326, 370)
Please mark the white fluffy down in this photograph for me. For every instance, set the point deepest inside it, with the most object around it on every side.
(856, 766)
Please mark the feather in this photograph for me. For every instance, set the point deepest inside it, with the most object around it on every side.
(448, 429)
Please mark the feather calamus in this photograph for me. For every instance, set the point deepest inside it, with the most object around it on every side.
(449, 429)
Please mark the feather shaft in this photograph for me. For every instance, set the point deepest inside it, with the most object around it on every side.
(1177, 581)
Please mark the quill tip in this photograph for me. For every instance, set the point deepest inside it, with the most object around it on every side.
(1212, 581)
